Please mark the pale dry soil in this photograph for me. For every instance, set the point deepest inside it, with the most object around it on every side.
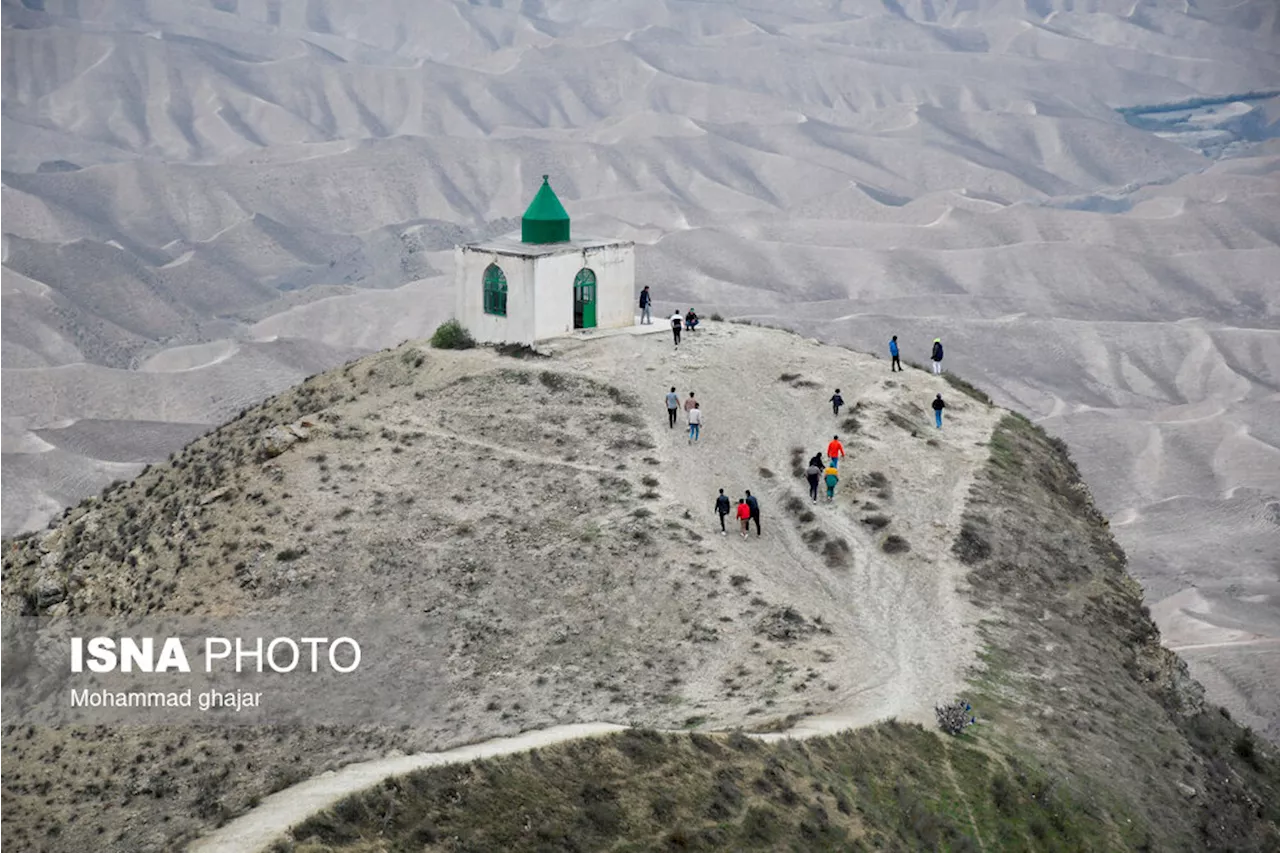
(538, 517)
(679, 614)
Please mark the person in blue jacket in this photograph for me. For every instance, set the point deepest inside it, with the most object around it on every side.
(646, 303)
(893, 351)
(936, 355)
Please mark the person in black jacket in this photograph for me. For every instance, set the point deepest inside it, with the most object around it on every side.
(754, 506)
(836, 402)
(722, 509)
(938, 406)
(936, 355)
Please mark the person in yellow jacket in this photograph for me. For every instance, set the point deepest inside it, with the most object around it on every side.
(832, 477)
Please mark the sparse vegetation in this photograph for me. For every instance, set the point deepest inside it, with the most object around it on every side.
(895, 544)
(553, 381)
(797, 462)
(518, 351)
(452, 335)
(836, 553)
(1063, 763)
(1030, 775)
(902, 422)
(966, 388)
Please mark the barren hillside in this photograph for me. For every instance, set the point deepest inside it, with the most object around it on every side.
(548, 541)
(207, 201)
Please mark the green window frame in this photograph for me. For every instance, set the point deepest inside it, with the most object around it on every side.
(495, 291)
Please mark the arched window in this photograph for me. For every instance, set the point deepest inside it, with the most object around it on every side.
(495, 291)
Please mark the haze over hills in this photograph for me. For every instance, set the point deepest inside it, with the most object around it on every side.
(205, 203)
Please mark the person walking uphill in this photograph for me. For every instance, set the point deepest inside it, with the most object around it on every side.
(753, 507)
(836, 402)
(835, 450)
(812, 474)
(676, 322)
(646, 307)
(722, 509)
(673, 406)
(936, 355)
(832, 477)
(744, 516)
(893, 351)
(938, 406)
(695, 423)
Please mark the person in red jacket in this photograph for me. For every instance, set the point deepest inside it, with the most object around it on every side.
(835, 450)
(744, 516)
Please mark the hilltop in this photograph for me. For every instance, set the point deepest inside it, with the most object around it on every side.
(546, 524)
(553, 541)
(206, 203)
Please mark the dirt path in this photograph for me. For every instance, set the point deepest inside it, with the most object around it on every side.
(915, 632)
(258, 828)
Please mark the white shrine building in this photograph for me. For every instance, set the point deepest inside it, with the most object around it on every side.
(545, 283)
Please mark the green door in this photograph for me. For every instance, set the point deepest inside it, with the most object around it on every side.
(584, 300)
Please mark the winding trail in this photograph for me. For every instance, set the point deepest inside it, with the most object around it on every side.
(256, 829)
(916, 625)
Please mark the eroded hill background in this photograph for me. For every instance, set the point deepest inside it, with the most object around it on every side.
(204, 203)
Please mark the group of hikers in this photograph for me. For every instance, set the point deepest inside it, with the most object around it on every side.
(688, 321)
(747, 512)
(820, 471)
(692, 411)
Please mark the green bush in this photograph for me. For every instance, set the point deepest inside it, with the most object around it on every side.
(452, 335)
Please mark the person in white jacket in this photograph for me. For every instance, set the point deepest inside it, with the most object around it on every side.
(695, 423)
(676, 323)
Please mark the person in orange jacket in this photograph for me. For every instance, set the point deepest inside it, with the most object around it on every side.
(835, 450)
(744, 516)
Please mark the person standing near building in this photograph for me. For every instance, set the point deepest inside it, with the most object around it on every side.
(936, 355)
(835, 450)
(753, 506)
(695, 423)
(673, 406)
(832, 477)
(676, 322)
(938, 406)
(814, 472)
(836, 402)
(646, 307)
(893, 351)
(744, 517)
(722, 509)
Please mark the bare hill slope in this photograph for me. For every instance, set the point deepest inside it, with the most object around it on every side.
(547, 546)
(1090, 736)
(1081, 195)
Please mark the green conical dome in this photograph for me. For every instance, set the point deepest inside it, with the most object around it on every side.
(545, 221)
